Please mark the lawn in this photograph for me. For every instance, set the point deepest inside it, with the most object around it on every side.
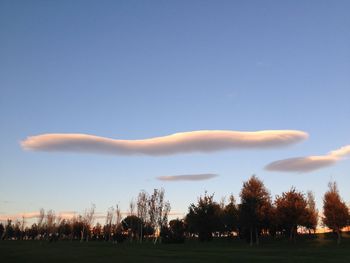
(318, 250)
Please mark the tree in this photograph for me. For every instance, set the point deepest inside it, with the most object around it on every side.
(132, 223)
(107, 229)
(97, 231)
(17, 230)
(175, 233)
(203, 218)
(41, 217)
(132, 207)
(64, 229)
(50, 223)
(311, 217)
(291, 211)
(2, 230)
(335, 211)
(142, 201)
(230, 216)
(254, 209)
(77, 227)
(9, 230)
(87, 222)
(158, 210)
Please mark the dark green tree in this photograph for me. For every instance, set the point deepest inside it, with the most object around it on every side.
(230, 216)
(132, 224)
(2, 230)
(203, 219)
(174, 233)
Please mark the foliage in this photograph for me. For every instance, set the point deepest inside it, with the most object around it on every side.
(336, 213)
(174, 233)
(254, 210)
(291, 211)
(203, 219)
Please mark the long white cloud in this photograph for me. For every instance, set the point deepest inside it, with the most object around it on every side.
(185, 142)
(309, 163)
(187, 177)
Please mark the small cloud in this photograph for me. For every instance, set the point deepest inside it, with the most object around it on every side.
(309, 163)
(67, 214)
(25, 215)
(187, 177)
(185, 142)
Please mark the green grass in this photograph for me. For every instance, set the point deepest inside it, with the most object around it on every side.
(318, 250)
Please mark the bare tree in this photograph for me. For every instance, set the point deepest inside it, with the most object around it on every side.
(158, 210)
(118, 215)
(132, 207)
(142, 201)
(50, 223)
(88, 219)
(109, 220)
(311, 218)
(41, 218)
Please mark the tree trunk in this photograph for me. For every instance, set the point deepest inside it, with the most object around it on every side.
(82, 235)
(339, 236)
(291, 235)
(141, 237)
(256, 236)
(251, 237)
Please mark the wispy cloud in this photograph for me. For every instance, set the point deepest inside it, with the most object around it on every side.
(309, 163)
(185, 142)
(187, 177)
(25, 215)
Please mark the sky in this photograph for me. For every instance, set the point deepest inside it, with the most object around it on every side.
(135, 70)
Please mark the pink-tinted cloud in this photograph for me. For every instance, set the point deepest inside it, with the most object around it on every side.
(309, 163)
(187, 177)
(33, 215)
(68, 215)
(19, 216)
(186, 142)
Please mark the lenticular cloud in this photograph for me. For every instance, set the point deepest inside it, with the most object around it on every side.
(185, 142)
(309, 163)
(187, 177)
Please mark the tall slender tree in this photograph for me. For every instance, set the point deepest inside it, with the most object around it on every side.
(142, 210)
(158, 210)
(311, 218)
(87, 222)
(254, 208)
(335, 211)
(230, 216)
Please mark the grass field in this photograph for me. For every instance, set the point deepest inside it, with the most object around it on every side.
(318, 250)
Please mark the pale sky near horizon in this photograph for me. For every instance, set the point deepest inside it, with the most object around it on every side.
(143, 69)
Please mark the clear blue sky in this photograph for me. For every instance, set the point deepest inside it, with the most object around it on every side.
(140, 69)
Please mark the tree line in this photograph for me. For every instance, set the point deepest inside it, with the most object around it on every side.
(255, 217)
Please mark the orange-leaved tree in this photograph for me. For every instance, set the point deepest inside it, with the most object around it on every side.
(335, 211)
